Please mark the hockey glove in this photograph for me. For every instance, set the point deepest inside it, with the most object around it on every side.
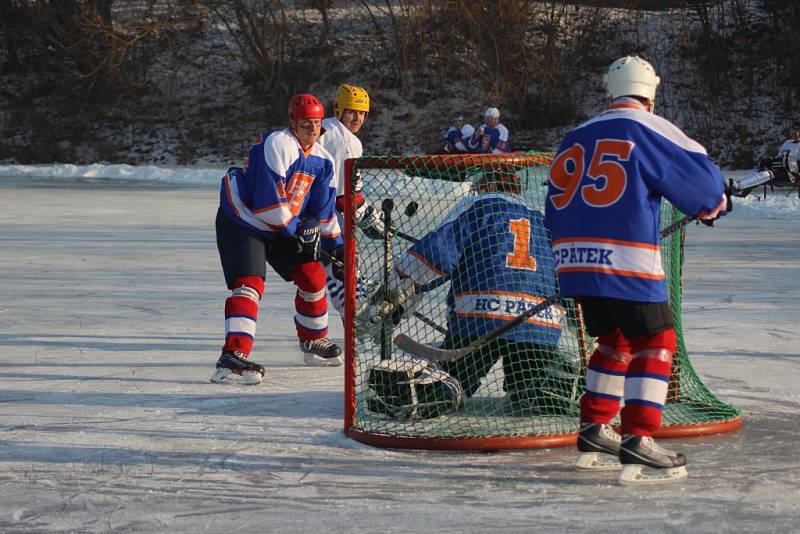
(337, 267)
(307, 237)
(371, 223)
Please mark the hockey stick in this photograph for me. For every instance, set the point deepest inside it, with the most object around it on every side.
(386, 324)
(408, 344)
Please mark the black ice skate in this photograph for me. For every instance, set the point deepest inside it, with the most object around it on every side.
(234, 364)
(599, 447)
(645, 462)
(321, 352)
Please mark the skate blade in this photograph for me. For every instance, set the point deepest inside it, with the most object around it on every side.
(318, 361)
(597, 461)
(636, 474)
(226, 376)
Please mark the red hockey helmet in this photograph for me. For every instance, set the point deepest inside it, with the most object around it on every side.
(305, 106)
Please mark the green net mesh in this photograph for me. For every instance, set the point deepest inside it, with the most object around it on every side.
(519, 390)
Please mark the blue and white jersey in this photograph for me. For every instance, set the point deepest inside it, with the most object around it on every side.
(458, 137)
(493, 141)
(496, 254)
(281, 185)
(342, 144)
(603, 205)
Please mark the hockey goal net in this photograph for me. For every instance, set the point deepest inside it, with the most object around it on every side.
(515, 395)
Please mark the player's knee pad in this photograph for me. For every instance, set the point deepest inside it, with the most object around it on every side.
(311, 296)
(615, 346)
(412, 388)
(251, 287)
(309, 276)
(661, 345)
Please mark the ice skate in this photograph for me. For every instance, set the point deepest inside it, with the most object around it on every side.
(599, 447)
(321, 352)
(645, 462)
(233, 367)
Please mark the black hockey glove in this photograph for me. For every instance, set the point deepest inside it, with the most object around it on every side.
(307, 237)
(371, 223)
(337, 267)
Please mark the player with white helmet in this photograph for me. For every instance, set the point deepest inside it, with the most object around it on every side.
(278, 209)
(491, 137)
(603, 211)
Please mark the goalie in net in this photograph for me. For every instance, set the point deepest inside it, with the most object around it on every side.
(495, 253)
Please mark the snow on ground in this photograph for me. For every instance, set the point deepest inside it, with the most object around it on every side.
(111, 302)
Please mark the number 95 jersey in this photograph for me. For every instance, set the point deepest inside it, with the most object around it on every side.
(604, 197)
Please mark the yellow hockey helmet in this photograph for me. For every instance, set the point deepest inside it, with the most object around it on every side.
(350, 97)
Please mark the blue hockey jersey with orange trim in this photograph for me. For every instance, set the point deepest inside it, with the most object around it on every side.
(604, 198)
(496, 254)
(281, 185)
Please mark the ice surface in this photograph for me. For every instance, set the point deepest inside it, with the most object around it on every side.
(111, 300)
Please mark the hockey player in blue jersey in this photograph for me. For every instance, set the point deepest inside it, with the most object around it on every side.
(603, 211)
(491, 137)
(456, 136)
(495, 253)
(279, 209)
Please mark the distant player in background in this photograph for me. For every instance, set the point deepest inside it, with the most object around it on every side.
(496, 255)
(456, 136)
(603, 211)
(278, 209)
(786, 164)
(350, 110)
(491, 137)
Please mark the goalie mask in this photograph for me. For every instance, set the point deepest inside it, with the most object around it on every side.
(497, 181)
(412, 389)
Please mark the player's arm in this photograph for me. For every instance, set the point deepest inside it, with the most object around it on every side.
(322, 205)
(502, 145)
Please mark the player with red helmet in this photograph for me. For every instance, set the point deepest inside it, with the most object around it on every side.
(278, 209)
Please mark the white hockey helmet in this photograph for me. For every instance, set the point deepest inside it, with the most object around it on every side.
(491, 112)
(631, 76)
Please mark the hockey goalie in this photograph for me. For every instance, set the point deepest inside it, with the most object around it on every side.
(494, 252)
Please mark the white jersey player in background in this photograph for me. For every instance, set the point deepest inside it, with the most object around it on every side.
(789, 155)
(603, 212)
(350, 110)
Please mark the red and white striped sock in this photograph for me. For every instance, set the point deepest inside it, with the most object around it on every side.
(646, 382)
(241, 314)
(311, 304)
(605, 378)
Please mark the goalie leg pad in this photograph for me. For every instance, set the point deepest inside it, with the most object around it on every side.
(412, 389)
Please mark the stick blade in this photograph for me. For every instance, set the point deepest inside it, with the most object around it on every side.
(406, 343)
